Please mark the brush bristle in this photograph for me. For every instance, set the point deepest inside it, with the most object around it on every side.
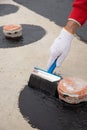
(44, 85)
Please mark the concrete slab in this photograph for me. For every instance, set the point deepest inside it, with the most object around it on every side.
(16, 63)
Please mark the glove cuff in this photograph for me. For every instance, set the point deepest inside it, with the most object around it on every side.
(66, 34)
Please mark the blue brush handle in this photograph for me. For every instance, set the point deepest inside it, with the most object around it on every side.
(52, 67)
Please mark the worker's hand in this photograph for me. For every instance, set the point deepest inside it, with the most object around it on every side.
(60, 48)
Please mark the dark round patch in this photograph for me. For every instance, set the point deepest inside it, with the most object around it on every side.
(31, 34)
(6, 9)
(48, 113)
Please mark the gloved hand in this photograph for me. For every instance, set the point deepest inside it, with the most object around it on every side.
(60, 48)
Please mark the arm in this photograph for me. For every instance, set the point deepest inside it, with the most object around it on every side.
(79, 12)
(61, 46)
(78, 15)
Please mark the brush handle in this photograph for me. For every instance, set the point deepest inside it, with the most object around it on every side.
(52, 67)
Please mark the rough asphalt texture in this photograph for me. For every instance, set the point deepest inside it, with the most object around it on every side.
(18, 59)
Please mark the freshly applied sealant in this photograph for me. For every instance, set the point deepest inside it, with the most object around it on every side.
(49, 113)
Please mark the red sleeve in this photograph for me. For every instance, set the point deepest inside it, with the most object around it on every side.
(79, 11)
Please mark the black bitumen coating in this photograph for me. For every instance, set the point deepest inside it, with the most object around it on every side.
(55, 10)
(31, 34)
(49, 113)
(6, 9)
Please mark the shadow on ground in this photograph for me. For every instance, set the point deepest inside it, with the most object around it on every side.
(6, 9)
(31, 34)
(48, 113)
(55, 10)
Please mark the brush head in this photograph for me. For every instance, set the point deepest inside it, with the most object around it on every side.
(44, 81)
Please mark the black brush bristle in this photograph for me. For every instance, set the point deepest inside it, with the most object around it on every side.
(44, 85)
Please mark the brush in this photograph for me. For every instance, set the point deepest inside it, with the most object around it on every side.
(45, 81)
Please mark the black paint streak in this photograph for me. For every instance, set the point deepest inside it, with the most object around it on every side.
(31, 34)
(6, 9)
(55, 10)
(48, 113)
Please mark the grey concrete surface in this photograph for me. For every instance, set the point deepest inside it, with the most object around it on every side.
(17, 63)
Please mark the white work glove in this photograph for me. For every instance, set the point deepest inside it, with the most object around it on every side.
(60, 48)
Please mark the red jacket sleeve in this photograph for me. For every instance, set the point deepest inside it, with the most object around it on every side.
(79, 11)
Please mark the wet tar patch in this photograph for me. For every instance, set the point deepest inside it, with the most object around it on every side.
(6, 9)
(49, 113)
(31, 34)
